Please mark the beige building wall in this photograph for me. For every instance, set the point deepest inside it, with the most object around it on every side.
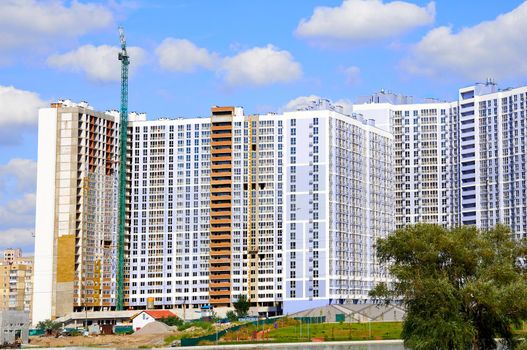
(16, 283)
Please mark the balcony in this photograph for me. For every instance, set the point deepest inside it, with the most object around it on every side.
(223, 229)
(214, 221)
(213, 245)
(220, 285)
(221, 268)
(220, 261)
(220, 127)
(220, 300)
(220, 292)
(221, 143)
(223, 252)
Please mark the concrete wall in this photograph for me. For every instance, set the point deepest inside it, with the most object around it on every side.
(13, 325)
(43, 292)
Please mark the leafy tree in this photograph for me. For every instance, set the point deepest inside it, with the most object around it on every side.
(462, 287)
(242, 305)
(49, 326)
(231, 316)
(172, 321)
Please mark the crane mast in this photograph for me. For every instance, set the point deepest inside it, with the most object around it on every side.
(125, 61)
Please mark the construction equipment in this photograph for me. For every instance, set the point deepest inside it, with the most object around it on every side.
(125, 61)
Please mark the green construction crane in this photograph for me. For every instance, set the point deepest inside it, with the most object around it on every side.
(125, 61)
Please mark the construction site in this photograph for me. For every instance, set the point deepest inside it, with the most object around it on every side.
(187, 213)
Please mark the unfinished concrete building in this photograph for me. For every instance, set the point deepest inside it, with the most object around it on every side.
(75, 246)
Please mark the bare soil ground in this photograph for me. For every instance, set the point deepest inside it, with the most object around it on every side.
(111, 341)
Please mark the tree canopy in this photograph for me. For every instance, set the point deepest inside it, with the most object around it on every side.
(242, 305)
(461, 287)
(49, 326)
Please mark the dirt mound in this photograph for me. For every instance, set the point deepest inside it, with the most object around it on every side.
(154, 328)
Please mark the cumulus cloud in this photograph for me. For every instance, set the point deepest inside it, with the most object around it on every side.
(18, 212)
(18, 113)
(352, 75)
(255, 66)
(305, 102)
(362, 20)
(260, 66)
(182, 55)
(99, 63)
(25, 23)
(17, 203)
(19, 174)
(17, 238)
(494, 48)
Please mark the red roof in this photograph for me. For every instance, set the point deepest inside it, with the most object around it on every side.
(157, 314)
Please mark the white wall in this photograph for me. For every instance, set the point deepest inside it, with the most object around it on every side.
(141, 320)
(45, 216)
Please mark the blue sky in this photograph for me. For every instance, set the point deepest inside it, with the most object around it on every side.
(189, 55)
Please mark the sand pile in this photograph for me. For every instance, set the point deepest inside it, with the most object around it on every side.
(154, 328)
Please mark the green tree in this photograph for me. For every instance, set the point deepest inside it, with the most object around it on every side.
(462, 287)
(242, 305)
(172, 321)
(231, 316)
(49, 326)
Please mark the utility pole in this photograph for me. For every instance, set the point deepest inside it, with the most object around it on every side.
(125, 61)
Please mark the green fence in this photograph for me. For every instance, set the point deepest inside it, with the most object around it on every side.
(216, 336)
(36, 332)
(311, 320)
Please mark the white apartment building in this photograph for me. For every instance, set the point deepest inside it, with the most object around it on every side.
(459, 162)
(284, 208)
(308, 193)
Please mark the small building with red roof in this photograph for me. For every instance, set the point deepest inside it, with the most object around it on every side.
(146, 316)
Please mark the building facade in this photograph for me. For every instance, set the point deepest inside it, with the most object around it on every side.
(459, 162)
(76, 211)
(283, 208)
(16, 281)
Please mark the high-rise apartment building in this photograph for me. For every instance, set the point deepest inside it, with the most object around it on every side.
(460, 162)
(16, 281)
(76, 215)
(282, 208)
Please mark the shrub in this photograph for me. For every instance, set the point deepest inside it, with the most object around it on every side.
(231, 315)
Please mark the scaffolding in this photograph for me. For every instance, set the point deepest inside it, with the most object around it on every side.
(252, 236)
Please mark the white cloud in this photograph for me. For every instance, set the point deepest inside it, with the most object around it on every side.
(361, 20)
(494, 48)
(181, 55)
(260, 66)
(352, 75)
(17, 212)
(30, 23)
(17, 221)
(20, 174)
(300, 102)
(17, 238)
(18, 106)
(255, 66)
(99, 63)
(19, 112)
(303, 102)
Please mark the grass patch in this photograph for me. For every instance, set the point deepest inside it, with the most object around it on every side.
(290, 330)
